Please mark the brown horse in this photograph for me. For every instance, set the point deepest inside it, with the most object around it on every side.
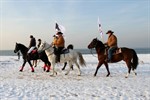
(128, 55)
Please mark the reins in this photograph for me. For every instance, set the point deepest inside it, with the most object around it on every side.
(92, 53)
(48, 48)
(92, 49)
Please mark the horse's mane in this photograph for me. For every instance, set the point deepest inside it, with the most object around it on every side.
(22, 46)
(100, 44)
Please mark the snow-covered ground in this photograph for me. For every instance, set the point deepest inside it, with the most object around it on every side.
(15, 85)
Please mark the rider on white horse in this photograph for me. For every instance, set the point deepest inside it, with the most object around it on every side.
(59, 44)
(70, 57)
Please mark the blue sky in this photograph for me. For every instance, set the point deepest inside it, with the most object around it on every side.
(129, 19)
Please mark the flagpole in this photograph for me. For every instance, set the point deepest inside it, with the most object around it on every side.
(100, 30)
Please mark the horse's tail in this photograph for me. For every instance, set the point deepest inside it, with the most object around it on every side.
(81, 60)
(135, 60)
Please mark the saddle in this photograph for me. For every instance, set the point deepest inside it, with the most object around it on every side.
(34, 50)
(64, 51)
(116, 51)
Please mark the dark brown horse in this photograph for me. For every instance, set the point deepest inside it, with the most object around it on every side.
(128, 55)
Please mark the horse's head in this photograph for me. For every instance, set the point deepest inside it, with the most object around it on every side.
(20, 47)
(95, 43)
(43, 47)
(16, 48)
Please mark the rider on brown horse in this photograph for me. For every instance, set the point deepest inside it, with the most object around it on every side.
(112, 44)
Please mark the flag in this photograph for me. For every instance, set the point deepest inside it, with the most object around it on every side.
(59, 28)
(100, 28)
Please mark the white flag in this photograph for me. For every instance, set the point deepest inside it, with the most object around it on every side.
(100, 28)
(60, 28)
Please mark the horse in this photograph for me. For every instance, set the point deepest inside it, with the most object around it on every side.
(33, 56)
(128, 55)
(70, 46)
(69, 57)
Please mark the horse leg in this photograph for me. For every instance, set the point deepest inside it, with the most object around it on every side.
(48, 66)
(65, 64)
(44, 67)
(35, 63)
(53, 71)
(107, 68)
(128, 63)
(70, 64)
(78, 68)
(24, 62)
(134, 70)
(72, 67)
(98, 66)
(32, 69)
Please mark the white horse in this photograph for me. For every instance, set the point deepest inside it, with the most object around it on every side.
(70, 57)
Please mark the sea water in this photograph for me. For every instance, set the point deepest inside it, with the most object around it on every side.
(83, 51)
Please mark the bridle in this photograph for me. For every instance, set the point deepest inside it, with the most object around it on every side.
(94, 46)
(47, 48)
(16, 48)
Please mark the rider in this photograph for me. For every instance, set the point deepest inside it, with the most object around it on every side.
(59, 44)
(112, 44)
(39, 40)
(32, 44)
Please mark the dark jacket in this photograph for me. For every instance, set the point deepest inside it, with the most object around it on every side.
(32, 42)
(39, 44)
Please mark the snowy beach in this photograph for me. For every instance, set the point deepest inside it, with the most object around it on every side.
(15, 85)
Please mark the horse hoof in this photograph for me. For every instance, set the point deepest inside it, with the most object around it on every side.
(47, 71)
(20, 70)
(107, 75)
(126, 76)
(32, 71)
(44, 69)
(52, 75)
(66, 74)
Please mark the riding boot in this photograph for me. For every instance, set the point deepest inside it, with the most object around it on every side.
(57, 59)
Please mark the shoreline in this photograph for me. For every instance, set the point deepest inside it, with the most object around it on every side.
(83, 51)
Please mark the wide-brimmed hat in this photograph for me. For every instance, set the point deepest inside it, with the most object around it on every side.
(109, 31)
(59, 33)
